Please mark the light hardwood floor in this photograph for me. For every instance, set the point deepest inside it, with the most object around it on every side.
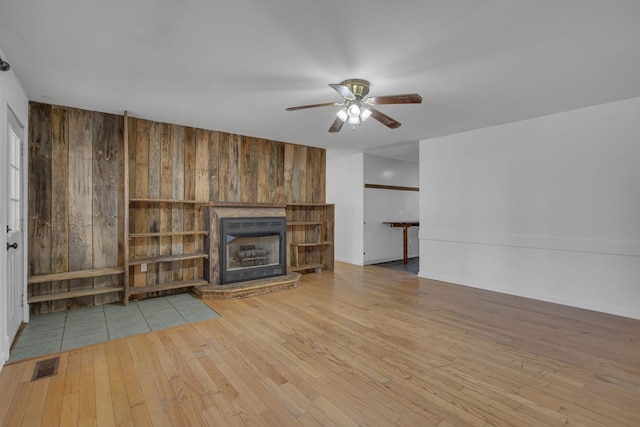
(359, 346)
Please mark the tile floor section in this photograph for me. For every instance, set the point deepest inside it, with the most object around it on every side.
(65, 330)
(412, 266)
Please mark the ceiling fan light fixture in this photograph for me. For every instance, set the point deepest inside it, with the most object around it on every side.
(365, 113)
(355, 120)
(342, 114)
(353, 111)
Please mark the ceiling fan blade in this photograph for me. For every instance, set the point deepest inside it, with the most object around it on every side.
(336, 126)
(303, 107)
(384, 119)
(344, 91)
(409, 98)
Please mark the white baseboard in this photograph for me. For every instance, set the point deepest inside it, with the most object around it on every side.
(349, 261)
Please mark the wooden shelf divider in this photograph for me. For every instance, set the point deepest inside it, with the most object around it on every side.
(173, 201)
(166, 286)
(74, 294)
(167, 258)
(78, 274)
(311, 244)
(170, 234)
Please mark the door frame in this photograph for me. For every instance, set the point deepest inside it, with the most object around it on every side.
(15, 283)
(12, 97)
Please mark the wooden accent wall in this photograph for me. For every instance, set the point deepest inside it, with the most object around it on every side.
(75, 199)
(76, 182)
(172, 161)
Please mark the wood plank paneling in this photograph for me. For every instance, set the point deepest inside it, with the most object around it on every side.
(244, 169)
(214, 165)
(201, 193)
(322, 177)
(312, 162)
(202, 165)
(188, 219)
(140, 218)
(123, 203)
(279, 167)
(329, 224)
(132, 131)
(166, 192)
(269, 159)
(39, 198)
(229, 148)
(153, 211)
(288, 175)
(303, 174)
(224, 160)
(59, 201)
(263, 178)
(80, 200)
(76, 186)
(249, 172)
(107, 133)
(177, 210)
(300, 173)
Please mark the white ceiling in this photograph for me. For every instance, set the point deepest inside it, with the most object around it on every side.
(236, 65)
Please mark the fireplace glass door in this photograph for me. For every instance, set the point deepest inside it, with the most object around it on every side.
(252, 248)
(252, 251)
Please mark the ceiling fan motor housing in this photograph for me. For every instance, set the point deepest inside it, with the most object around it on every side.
(358, 87)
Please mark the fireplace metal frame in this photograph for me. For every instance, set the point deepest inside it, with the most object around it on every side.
(252, 227)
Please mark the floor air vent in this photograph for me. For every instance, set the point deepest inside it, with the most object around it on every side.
(46, 368)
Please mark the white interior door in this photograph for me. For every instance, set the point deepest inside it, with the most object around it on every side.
(15, 250)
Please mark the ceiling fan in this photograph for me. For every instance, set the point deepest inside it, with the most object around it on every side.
(356, 109)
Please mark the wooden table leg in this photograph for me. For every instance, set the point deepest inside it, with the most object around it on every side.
(405, 236)
(404, 241)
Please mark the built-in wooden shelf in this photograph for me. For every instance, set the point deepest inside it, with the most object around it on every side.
(170, 234)
(167, 258)
(133, 290)
(77, 274)
(176, 201)
(71, 275)
(140, 206)
(311, 244)
(310, 236)
(74, 294)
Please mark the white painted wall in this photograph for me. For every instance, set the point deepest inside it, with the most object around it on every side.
(381, 242)
(359, 243)
(344, 187)
(547, 208)
(11, 96)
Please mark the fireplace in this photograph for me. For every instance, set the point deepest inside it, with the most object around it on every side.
(252, 248)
